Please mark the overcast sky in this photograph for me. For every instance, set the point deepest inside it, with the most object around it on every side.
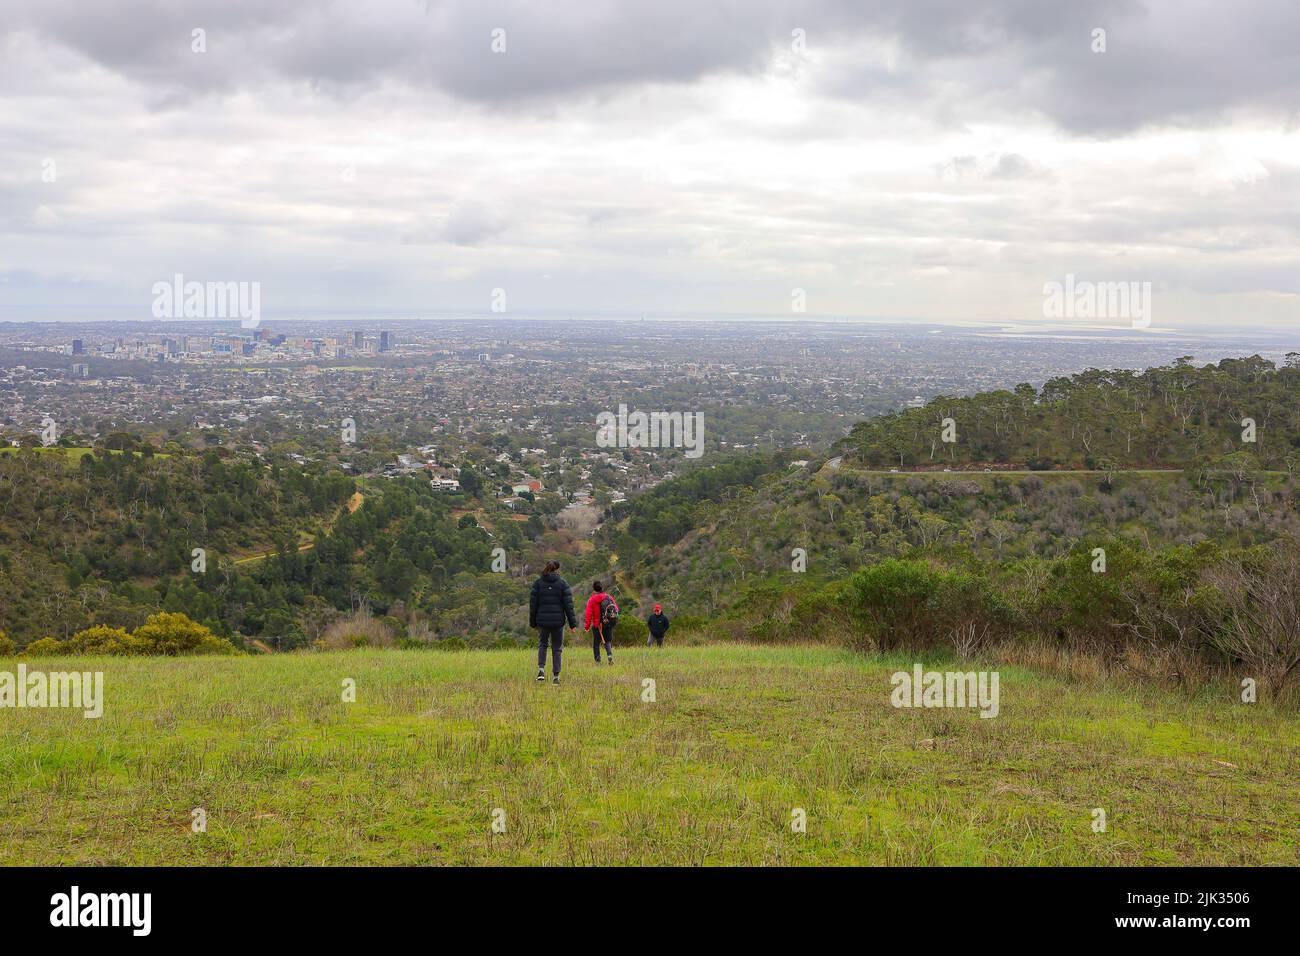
(893, 159)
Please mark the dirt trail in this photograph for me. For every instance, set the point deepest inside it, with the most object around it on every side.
(263, 555)
(354, 503)
(628, 586)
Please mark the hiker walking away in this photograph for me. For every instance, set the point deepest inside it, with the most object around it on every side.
(550, 607)
(658, 624)
(600, 618)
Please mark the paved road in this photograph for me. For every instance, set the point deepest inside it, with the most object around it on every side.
(1027, 471)
(1001, 471)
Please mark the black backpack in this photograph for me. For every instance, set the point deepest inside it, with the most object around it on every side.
(608, 611)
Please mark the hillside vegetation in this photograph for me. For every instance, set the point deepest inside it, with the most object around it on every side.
(1168, 557)
(1171, 416)
(107, 539)
(1181, 574)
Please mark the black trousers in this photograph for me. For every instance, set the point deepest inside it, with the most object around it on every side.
(655, 639)
(555, 637)
(607, 638)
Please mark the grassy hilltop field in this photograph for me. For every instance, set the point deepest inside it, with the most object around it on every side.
(589, 773)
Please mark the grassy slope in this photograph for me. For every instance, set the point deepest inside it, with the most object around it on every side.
(73, 454)
(588, 773)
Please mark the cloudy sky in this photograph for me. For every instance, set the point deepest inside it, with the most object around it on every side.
(892, 158)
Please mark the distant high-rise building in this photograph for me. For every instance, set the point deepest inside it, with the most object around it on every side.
(385, 341)
(358, 339)
(80, 370)
(78, 347)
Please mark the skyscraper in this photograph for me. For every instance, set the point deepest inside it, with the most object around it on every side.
(385, 341)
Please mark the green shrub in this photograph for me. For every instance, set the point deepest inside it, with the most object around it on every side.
(44, 647)
(631, 630)
(897, 600)
(104, 640)
(690, 622)
(174, 633)
(832, 602)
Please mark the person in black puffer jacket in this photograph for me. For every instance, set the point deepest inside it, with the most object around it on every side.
(550, 607)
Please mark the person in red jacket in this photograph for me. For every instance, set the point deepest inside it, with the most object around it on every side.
(600, 618)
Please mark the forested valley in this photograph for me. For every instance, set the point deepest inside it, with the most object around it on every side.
(1149, 519)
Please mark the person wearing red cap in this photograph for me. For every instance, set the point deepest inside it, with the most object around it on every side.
(658, 624)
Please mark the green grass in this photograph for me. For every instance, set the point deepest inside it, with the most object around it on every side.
(588, 773)
(73, 454)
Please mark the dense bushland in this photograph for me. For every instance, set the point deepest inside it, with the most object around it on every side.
(1195, 572)
(1171, 416)
(109, 539)
(760, 547)
(1177, 614)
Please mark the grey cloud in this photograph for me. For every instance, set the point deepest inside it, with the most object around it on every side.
(1166, 61)
(1001, 166)
(471, 225)
(612, 149)
(1015, 166)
